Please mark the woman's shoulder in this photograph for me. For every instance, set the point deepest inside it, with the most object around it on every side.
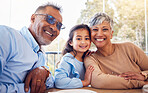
(126, 47)
(92, 56)
(124, 44)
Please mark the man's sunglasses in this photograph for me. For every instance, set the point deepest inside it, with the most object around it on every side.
(51, 20)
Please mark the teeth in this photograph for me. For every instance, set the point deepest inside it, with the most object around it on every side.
(99, 39)
(48, 33)
(83, 46)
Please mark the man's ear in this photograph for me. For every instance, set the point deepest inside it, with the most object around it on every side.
(32, 18)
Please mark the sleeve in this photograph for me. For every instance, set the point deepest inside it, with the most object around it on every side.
(41, 62)
(107, 81)
(63, 79)
(7, 88)
(50, 79)
(140, 58)
(3, 53)
(50, 82)
(6, 45)
(2, 61)
(11, 88)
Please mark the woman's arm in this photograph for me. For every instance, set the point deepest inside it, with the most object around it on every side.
(107, 81)
(141, 59)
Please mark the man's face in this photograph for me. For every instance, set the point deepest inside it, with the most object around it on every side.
(42, 30)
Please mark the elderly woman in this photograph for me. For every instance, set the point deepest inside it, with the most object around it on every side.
(117, 66)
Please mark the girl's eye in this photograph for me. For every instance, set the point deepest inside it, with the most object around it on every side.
(87, 39)
(78, 39)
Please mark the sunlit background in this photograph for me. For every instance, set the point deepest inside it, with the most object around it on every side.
(130, 17)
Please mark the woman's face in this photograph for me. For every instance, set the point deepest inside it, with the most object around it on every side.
(101, 34)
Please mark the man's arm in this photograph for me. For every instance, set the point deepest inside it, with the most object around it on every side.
(39, 78)
(7, 53)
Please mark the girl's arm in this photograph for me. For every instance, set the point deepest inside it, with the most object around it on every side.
(64, 79)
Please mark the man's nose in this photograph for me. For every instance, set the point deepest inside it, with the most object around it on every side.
(54, 29)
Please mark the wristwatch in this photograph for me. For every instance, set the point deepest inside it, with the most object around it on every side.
(145, 75)
(48, 71)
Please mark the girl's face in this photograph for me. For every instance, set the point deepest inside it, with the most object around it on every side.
(101, 34)
(81, 40)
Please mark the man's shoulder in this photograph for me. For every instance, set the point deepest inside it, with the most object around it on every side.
(6, 30)
(10, 35)
(3, 27)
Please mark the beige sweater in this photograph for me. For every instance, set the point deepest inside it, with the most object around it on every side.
(126, 57)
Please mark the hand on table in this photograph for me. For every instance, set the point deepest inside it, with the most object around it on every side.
(36, 79)
(132, 75)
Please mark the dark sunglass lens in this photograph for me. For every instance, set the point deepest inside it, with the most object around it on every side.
(51, 19)
(59, 25)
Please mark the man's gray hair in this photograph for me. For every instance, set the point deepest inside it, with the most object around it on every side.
(48, 4)
(98, 18)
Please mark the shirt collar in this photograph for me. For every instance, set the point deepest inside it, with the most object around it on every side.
(30, 39)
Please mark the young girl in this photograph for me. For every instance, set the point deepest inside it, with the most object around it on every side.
(71, 71)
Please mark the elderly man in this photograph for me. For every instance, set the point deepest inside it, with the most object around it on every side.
(21, 53)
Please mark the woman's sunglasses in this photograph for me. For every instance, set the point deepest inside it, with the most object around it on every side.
(51, 20)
